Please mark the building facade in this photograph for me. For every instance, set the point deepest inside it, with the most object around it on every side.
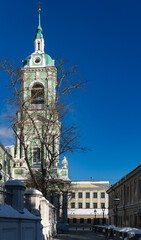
(88, 203)
(6, 164)
(6, 167)
(128, 192)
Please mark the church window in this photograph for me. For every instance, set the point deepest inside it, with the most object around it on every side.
(37, 95)
(36, 155)
(5, 166)
(38, 46)
(37, 60)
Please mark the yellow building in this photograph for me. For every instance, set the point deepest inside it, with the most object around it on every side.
(88, 203)
(127, 213)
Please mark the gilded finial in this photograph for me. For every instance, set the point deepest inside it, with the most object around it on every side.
(39, 9)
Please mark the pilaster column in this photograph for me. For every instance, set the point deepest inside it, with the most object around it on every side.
(65, 207)
(84, 200)
(76, 199)
(49, 86)
(91, 199)
(18, 148)
(98, 199)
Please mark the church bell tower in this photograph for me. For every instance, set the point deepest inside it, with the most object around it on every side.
(35, 119)
(38, 125)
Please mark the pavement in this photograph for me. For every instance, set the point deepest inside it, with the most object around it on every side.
(80, 235)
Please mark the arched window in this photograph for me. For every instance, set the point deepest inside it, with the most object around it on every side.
(38, 46)
(37, 96)
(36, 155)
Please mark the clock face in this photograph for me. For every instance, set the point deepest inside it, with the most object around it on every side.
(37, 60)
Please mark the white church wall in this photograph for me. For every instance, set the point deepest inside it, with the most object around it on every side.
(39, 206)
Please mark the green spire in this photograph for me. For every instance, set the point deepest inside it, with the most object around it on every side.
(39, 29)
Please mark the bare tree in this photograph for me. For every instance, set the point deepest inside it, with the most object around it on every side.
(52, 131)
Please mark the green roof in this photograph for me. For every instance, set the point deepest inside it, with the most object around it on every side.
(48, 60)
(39, 29)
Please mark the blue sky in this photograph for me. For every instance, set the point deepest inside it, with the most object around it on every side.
(104, 39)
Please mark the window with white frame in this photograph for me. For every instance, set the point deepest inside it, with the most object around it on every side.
(102, 194)
(94, 205)
(87, 194)
(37, 95)
(36, 155)
(72, 205)
(95, 195)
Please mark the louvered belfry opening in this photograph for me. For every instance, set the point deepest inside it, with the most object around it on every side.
(37, 96)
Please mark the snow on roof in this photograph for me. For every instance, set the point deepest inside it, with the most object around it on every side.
(6, 211)
(10, 146)
(110, 226)
(134, 231)
(118, 228)
(126, 229)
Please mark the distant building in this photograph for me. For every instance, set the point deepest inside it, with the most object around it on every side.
(88, 202)
(128, 191)
(6, 166)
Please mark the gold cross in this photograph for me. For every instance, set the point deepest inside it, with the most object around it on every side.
(39, 9)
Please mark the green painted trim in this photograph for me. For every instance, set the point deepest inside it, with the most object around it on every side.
(63, 173)
(61, 186)
(18, 171)
(53, 171)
